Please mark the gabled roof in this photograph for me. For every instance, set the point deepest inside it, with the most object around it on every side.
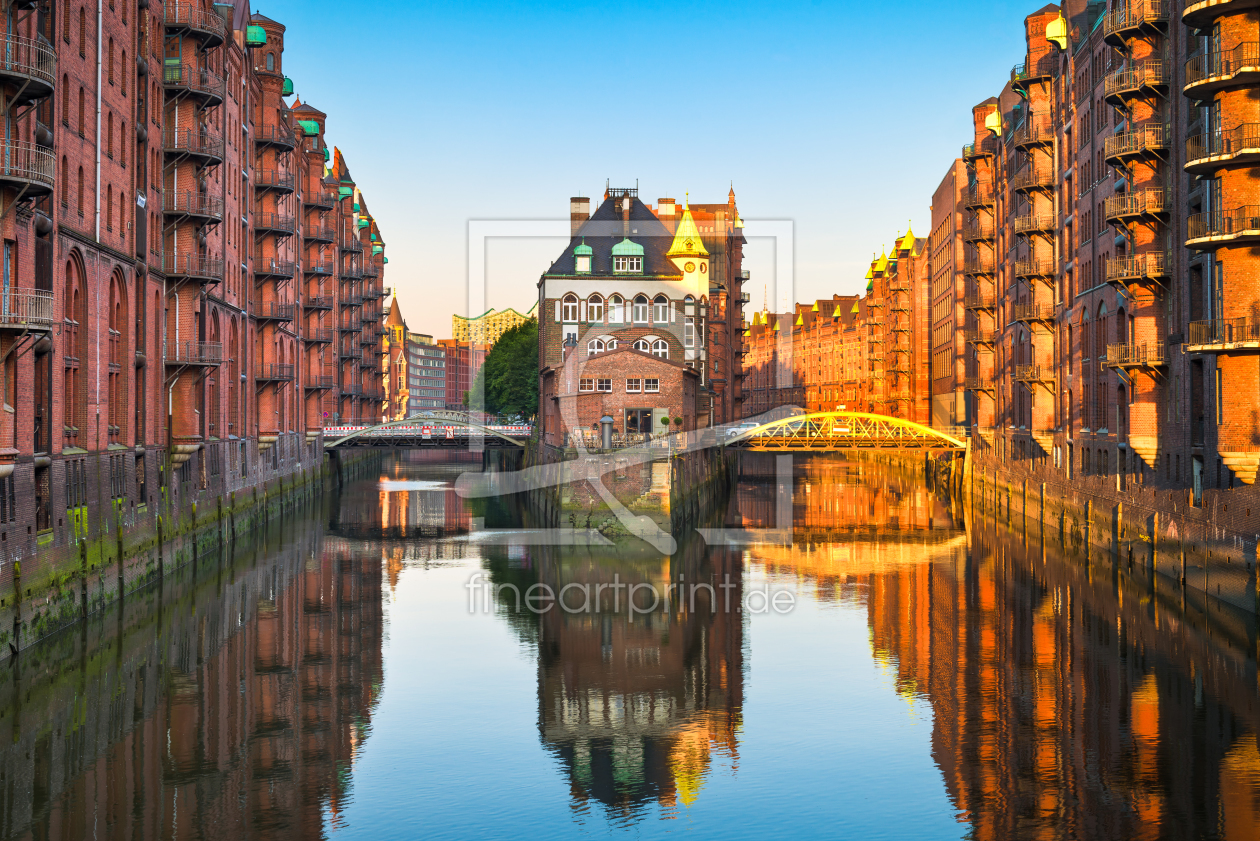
(306, 108)
(605, 229)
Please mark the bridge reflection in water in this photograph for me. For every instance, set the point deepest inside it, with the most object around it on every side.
(1069, 696)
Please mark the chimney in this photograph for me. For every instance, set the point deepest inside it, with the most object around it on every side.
(665, 207)
(579, 212)
(625, 216)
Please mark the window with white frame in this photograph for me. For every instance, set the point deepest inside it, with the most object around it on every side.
(582, 263)
(586, 384)
(594, 346)
(689, 305)
(640, 309)
(604, 385)
(643, 345)
(616, 310)
(660, 348)
(595, 309)
(627, 264)
(689, 332)
(634, 386)
(660, 309)
(652, 385)
(569, 309)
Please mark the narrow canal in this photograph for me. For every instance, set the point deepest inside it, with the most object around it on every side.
(363, 669)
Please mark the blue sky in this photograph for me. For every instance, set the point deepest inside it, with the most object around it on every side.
(842, 117)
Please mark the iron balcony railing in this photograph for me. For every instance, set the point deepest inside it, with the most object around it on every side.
(350, 352)
(1035, 268)
(386, 291)
(271, 267)
(978, 264)
(1032, 178)
(1032, 312)
(1151, 73)
(1224, 332)
(977, 301)
(1239, 222)
(371, 271)
(320, 382)
(975, 231)
(189, 203)
(1037, 129)
(352, 273)
(277, 222)
(322, 199)
(273, 311)
(1152, 264)
(319, 302)
(272, 179)
(984, 149)
(275, 135)
(353, 246)
(32, 165)
(320, 335)
(26, 308)
(352, 300)
(976, 336)
(1032, 374)
(1222, 64)
(198, 80)
(275, 372)
(318, 268)
(31, 62)
(319, 233)
(193, 17)
(978, 384)
(978, 196)
(1137, 14)
(1033, 223)
(1136, 356)
(193, 353)
(347, 325)
(1143, 203)
(1238, 140)
(193, 265)
(192, 142)
(1038, 66)
(1146, 138)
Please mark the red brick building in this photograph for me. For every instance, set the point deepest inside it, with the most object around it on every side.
(463, 362)
(183, 257)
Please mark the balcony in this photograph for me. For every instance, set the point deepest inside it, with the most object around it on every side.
(1144, 141)
(978, 264)
(1152, 265)
(275, 372)
(27, 67)
(318, 302)
(1211, 72)
(319, 233)
(196, 267)
(320, 199)
(978, 231)
(1221, 335)
(1035, 223)
(26, 309)
(191, 19)
(319, 383)
(272, 269)
(1033, 374)
(351, 273)
(1036, 131)
(1205, 153)
(27, 167)
(350, 351)
(353, 247)
(976, 336)
(1136, 356)
(193, 205)
(373, 271)
(1209, 230)
(318, 269)
(1139, 19)
(1032, 313)
(351, 301)
(274, 223)
(190, 143)
(1033, 178)
(197, 82)
(1035, 269)
(1039, 68)
(1146, 204)
(272, 311)
(1201, 14)
(1143, 79)
(984, 149)
(183, 354)
(978, 384)
(978, 196)
(279, 135)
(977, 301)
(386, 291)
(348, 325)
(273, 179)
(320, 336)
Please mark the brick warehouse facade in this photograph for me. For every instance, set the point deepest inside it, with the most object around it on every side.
(183, 257)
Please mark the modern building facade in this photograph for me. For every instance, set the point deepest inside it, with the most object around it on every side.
(486, 328)
(463, 363)
(183, 257)
(426, 373)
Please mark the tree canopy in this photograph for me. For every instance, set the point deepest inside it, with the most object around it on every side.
(508, 379)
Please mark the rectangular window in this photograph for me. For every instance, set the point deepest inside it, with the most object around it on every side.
(595, 310)
(586, 384)
(627, 264)
(689, 332)
(640, 311)
(651, 385)
(634, 386)
(604, 385)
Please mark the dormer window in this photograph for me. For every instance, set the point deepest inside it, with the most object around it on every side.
(628, 264)
(582, 258)
(627, 257)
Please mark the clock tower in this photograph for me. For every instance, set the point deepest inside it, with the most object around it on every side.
(688, 253)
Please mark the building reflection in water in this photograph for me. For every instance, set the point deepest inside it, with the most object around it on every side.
(229, 701)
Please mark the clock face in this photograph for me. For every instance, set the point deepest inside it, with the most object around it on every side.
(689, 267)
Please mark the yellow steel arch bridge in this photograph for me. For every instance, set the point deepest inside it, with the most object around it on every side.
(827, 431)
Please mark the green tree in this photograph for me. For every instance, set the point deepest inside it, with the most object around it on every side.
(507, 383)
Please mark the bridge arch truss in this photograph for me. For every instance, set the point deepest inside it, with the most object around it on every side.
(829, 431)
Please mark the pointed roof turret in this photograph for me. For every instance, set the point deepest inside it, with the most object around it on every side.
(394, 317)
(687, 241)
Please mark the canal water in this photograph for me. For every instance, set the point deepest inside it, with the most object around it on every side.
(886, 668)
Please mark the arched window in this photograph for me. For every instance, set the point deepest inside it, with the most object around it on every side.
(640, 309)
(595, 309)
(689, 305)
(661, 348)
(660, 309)
(65, 21)
(271, 61)
(643, 345)
(616, 310)
(82, 32)
(124, 70)
(111, 61)
(569, 309)
(594, 346)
